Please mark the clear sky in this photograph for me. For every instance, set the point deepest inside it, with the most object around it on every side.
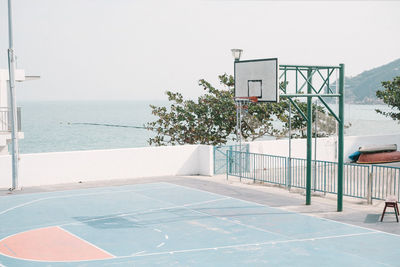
(136, 50)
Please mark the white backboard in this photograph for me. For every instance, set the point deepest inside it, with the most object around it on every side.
(257, 78)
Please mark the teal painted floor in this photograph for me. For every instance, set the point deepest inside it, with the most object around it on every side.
(162, 224)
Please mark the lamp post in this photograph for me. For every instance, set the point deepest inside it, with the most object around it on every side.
(236, 53)
(13, 102)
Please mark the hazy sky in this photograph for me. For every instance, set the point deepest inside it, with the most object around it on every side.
(136, 50)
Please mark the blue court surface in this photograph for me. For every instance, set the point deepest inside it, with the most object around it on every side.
(163, 224)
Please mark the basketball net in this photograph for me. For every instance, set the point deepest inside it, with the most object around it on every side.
(241, 105)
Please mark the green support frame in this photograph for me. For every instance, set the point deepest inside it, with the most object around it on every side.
(306, 74)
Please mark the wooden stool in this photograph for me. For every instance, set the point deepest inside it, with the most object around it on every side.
(392, 203)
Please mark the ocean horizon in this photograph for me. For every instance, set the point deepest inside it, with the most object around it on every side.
(56, 126)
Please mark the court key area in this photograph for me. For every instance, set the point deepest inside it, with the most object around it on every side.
(164, 224)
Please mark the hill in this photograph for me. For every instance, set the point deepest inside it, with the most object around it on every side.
(362, 88)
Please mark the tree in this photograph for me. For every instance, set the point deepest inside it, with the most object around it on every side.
(391, 97)
(209, 121)
(212, 119)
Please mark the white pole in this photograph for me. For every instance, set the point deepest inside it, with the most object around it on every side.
(13, 101)
(290, 147)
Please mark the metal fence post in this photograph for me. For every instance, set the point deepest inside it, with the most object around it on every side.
(230, 151)
(254, 165)
(369, 186)
(227, 163)
(309, 138)
(214, 159)
(324, 178)
(289, 173)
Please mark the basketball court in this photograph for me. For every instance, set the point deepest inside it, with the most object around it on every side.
(167, 224)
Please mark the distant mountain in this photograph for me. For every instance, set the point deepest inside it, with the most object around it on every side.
(362, 88)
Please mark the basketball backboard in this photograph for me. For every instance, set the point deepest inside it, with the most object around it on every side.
(257, 78)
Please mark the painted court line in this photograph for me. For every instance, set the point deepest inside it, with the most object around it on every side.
(223, 218)
(9, 249)
(291, 212)
(145, 211)
(245, 245)
(136, 213)
(137, 253)
(239, 223)
(75, 195)
(186, 206)
(51, 244)
(87, 242)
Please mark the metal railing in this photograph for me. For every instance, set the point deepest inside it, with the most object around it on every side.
(5, 119)
(385, 181)
(220, 153)
(359, 181)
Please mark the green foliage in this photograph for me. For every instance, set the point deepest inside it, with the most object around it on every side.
(212, 119)
(391, 97)
(209, 121)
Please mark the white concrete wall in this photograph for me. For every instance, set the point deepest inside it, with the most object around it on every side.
(326, 147)
(75, 166)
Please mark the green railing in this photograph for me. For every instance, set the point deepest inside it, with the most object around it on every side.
(359, 181)
(385, 181)
(220, 155)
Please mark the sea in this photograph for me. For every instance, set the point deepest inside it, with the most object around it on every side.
(55, 126)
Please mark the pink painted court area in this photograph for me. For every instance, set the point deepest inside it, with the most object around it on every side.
(50, 244)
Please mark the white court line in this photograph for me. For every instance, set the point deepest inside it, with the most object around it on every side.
(132, 213)
(245, 245)
(74, 195)
(146, 211)
(161, 244)
(291, 212)
(34, 260)
(60, 226)
(225, 218)
(137, 253)
(87, 242)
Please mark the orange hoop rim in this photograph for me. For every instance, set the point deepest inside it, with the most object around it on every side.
(252, 99)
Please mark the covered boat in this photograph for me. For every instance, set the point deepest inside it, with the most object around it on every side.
(377, 148)
(381, 157)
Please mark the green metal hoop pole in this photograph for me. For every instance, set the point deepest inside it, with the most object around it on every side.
(315, 92)
(341, 139)
(309, 137)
